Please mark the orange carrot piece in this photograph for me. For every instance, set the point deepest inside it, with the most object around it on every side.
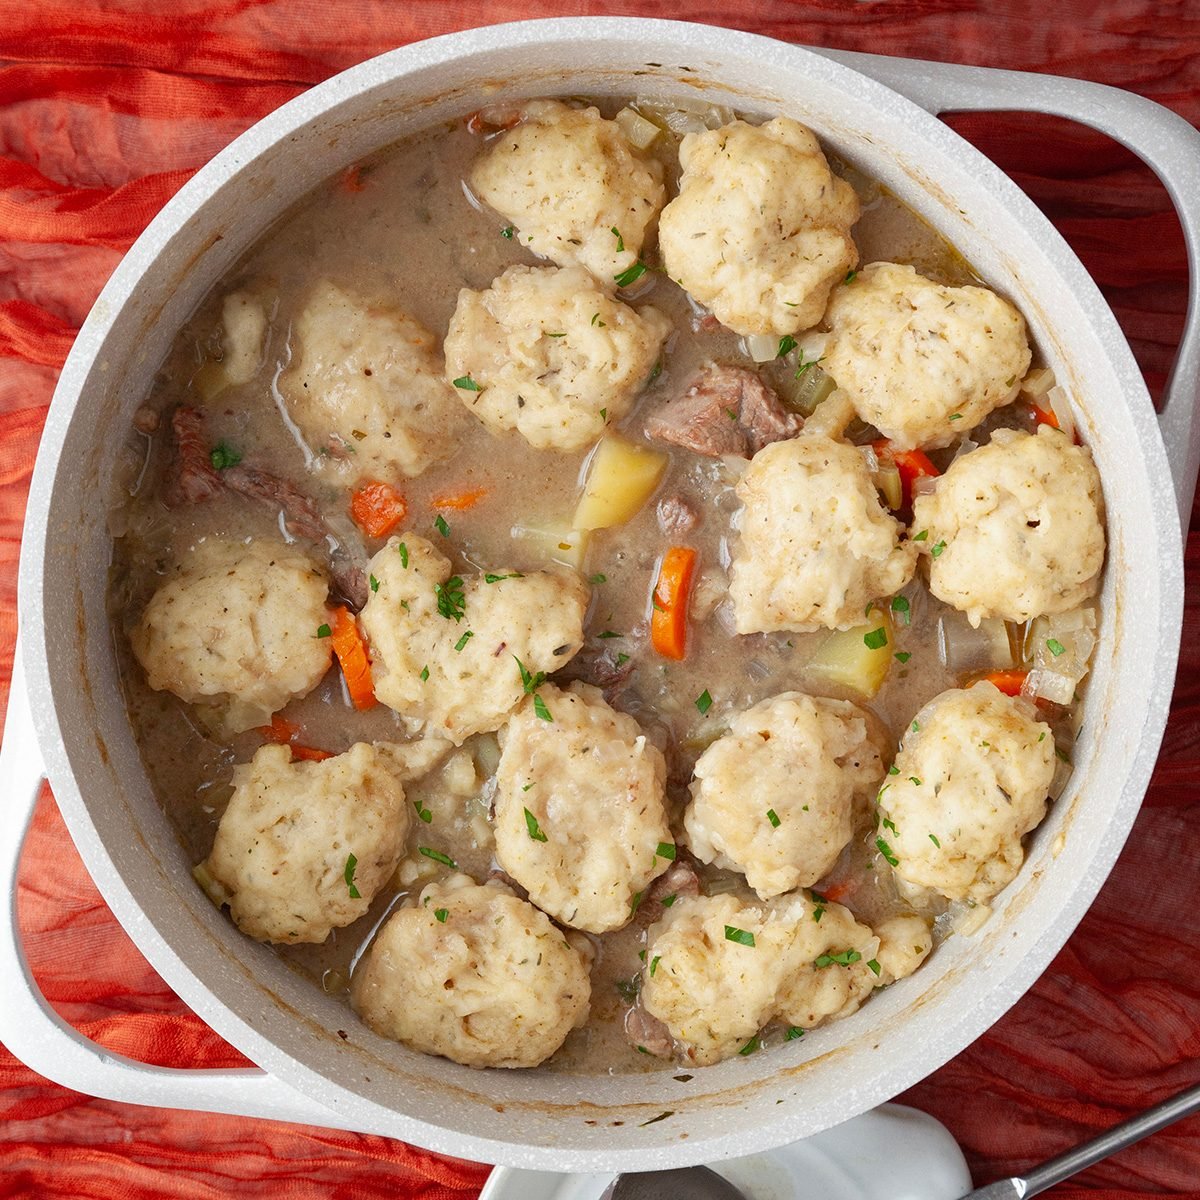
(1045, 416)
(351, 649)
(310, 753)
(1009, 682)
(352, 180)
(837, 891)
(377, 508)
(669, 615)
(459, 501)
(912, 465)
(283, 732)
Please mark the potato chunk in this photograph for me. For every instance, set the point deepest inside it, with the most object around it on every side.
(552, 355)
(579, 818)
(474, 974)
(760, 230)
(444, 649)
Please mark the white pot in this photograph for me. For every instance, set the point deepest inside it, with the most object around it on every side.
(537, 1118)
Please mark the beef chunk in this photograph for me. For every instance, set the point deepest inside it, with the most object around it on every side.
(725, 410)
(191, 478)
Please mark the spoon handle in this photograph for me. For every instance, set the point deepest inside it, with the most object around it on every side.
(1100, 1147)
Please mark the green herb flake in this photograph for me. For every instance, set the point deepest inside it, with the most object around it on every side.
(608, 633)
(507, 232)
(665, 850)
(1055, 647)
(893, 769)
(501, 578)
(851, 276)
(351, 863)
(595, 579)
(620, 240)
(937, 549)
(596, 321)
(668, 900)
(1061, 755)
(634, 904)
(654, 963)
(324, 631)
(374, 584)
(876, 639)
(755, 1043)
(1042, 736)
(441, 914)
(886, 851)
(629, 989)
(530, 682)
(403, 555)
(422, 812)
(451, 600)
(440, 525)
(956, 416)
(556, 335)
(900, 605)
(844, 959)
(818, 912)
(773, 817)
(888, 823)
(462, 641)
(438, 857)
(920, 537)
(914, 781)
(743, 937)
(793, 1033)
(703, 702)
(223, 455)
(915, 727)
(467, 384)
(934, 840)
(622, 658)
(875, 967)
(631, 275)
(539, 707)
(803, 364)
(787, 344)
(603, 411)
(902, 656)
(533, 828)
(425, 673)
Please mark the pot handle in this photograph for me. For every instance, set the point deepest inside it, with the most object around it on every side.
(40, 1038)
(1162, 139)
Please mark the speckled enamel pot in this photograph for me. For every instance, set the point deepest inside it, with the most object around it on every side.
(67, 713)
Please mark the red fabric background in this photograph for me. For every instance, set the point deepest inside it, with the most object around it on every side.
(107, 107)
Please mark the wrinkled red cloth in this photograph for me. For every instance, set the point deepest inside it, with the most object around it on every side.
(108, 106)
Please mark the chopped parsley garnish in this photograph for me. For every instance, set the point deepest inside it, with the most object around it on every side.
(886, 851)
(596, 321)
(743, 937)
(787, 344)
(654, 963)
(631, 275)
(703, 702)
(223, 455)
(539, 707)
(462, 641)
(731, 414)
(440, 525)
(324, 631)
(633, 907)
(374, 584)
(902, 656)
(620, 240)
(936, 549)
(956, 416)
(893, 769)
(425, 673)
(608, 633)
(603, 411)
(501, 578)
(818, 912)
(451, 600)
(874, 965)
(533, 828)
(915, 727)
(530, 681)
(467, 384)
(665, 850)
(438, 856)
(441, 914)
(753, 1044)
(422, 812)
(351, 863)
(1061, 755)
(527, 786)
(773, 817)
(900, 605)
(914, 780)
(803, 364)
(888, 823)
(668, 900)
(1042, 736)
(1055, 647)
(622, 658)
(920, 537)
(507, 232)
(850, 277)
(876, 639)
(793, 1033)
(629, 989)
(934, 840)
(403, 555)
(844, 959)
(595, 579)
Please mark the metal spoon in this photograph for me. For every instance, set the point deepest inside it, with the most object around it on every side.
(699, 1183)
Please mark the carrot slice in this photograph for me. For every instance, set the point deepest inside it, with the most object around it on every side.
(912, 465)
(669, 616)
(310, 753)
(351, 649)
(283, 732)
(458, 501)
(1045, 416)
(377, 508)
(1009, 682)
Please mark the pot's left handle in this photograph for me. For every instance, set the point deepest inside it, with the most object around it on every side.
(40, 1038)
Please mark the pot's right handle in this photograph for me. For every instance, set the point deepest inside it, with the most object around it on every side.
(1159, 137)
(40, 1038)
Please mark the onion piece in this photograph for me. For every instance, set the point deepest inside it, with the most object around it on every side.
(216, 891)
(925, 485)
(964, 649)
(891, 486)
(1062, 773)
(1037, 383)
(1059, 649)
(1061, 408)
(762, 347)
(802, 391)
(642, 133)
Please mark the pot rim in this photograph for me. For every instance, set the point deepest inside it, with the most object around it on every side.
(687, 38)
